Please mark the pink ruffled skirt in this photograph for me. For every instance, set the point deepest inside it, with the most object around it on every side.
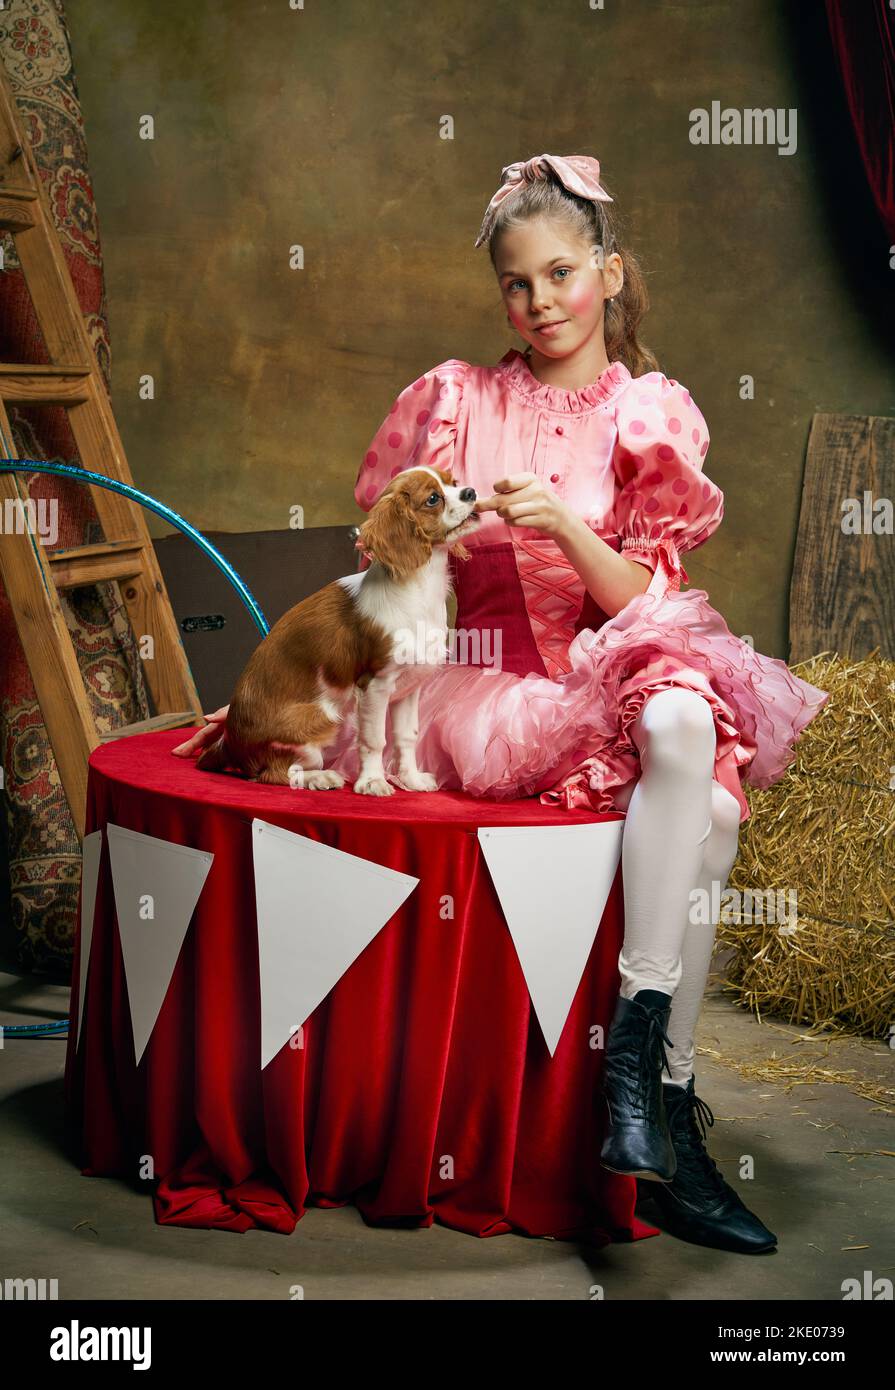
(496, 734)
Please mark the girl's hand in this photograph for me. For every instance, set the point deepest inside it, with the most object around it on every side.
(523, 500)
(208, 734)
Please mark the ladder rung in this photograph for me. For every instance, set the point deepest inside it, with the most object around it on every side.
(22, 384)
(24, 192)
(88, 564)
(149, 726)
(15, 214)
(43, 369)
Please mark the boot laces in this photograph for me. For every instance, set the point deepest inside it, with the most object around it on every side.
(701, 1114)
(699, 1118)
(656, 1037)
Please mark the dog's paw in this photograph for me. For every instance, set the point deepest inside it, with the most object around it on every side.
(323, 781)
(373, 786)
(417, 782)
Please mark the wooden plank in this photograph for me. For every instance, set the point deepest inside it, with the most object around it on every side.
(175, 720)
(101, 451)
(24, 387)
(36, 370)
(90, 564)
(167, 672)
(21, 194)
(842, 595)
(15, 214)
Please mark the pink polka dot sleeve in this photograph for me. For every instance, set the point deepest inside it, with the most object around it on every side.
(664, 505)
(420, 428)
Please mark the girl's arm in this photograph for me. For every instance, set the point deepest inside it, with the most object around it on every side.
(612, 580)
(665, 505)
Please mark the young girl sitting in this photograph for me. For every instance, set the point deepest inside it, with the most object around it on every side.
(587, 677)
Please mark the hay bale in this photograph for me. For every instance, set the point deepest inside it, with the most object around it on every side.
(822, 840)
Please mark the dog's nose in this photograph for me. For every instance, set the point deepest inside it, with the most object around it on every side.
(467, 494)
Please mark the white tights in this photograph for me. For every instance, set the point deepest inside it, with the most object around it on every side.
(680, 833)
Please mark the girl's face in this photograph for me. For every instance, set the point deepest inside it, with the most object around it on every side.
(547, 275)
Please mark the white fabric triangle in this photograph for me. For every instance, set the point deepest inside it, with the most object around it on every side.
(552, 882)
(91, 851)
(318, 909)
(173, 876)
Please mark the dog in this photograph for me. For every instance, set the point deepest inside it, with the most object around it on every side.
(372, 637)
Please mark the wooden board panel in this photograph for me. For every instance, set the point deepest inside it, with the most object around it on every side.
(842, 596)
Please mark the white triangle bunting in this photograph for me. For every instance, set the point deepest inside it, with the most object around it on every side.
(318, 909)
(553, 882)
(157, 885)
(92, 849)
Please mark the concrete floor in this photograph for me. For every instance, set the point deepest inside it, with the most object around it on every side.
(821, 1183)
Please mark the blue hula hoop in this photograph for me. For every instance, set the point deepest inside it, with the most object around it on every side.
(82, 475)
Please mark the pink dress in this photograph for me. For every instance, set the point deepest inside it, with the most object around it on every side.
(541, 687)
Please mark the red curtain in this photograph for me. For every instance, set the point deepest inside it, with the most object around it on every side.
(863, 35)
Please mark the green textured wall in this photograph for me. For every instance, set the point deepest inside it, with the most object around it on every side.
(320, 127)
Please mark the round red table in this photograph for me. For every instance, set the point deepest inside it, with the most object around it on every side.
(423, 1090)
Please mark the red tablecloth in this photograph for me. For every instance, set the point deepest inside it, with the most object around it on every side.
(424, 1089)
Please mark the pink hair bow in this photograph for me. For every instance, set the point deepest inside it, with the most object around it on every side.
(578, 173)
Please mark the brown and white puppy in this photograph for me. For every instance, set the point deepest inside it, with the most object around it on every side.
(374, 636)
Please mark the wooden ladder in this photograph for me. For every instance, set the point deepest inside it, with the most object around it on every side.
(32, 575)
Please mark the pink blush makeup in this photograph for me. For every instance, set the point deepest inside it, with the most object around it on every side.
(582, 298)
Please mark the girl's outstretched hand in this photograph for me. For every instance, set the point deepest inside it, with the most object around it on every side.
(523, 500)
(203, 736)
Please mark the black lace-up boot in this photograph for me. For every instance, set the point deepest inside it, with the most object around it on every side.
(637, 1142)
(698, 1205)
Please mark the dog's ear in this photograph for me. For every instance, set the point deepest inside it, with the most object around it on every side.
(394, 537)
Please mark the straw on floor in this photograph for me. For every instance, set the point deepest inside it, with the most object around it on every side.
(815, 941)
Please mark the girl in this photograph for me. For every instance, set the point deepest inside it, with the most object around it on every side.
(593, 681)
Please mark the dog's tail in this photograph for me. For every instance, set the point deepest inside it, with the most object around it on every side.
(215, 757)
